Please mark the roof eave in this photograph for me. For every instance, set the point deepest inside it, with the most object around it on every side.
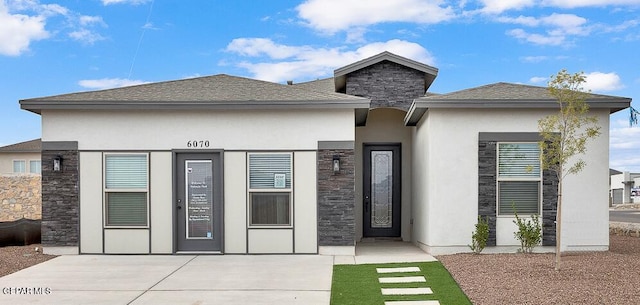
(37, 106)
(419, 107)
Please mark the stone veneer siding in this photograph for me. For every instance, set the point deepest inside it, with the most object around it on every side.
(60, 204)
(487, 187)
(387, 84)
(20, 197)
(336, 198)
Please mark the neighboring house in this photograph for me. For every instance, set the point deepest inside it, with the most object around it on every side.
(21, 158)
(624, 187)
(225, 164)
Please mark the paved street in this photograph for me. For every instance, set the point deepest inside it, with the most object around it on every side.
(624, 216)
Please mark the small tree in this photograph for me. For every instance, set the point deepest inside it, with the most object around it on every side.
(565, 135)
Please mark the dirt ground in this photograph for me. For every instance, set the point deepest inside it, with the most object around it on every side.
(611, 277)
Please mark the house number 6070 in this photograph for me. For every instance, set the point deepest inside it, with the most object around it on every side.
(197, 143)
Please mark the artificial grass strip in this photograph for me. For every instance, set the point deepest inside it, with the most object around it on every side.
(358, 284)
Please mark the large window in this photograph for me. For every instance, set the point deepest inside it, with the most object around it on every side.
(519, 178)
(19, 166)
(270, 189)
(126, 190)
(35, 166)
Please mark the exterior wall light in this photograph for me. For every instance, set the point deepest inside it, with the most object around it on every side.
(336, 164)
(57, 164)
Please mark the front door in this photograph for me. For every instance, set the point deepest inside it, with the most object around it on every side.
(198, 202)
(381, 190)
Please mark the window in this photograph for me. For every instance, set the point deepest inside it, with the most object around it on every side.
(19, 166)
(126, 190)
(270, 189)
(35, 166)
(519, 178)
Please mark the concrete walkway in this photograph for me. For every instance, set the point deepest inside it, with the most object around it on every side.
(189, 279)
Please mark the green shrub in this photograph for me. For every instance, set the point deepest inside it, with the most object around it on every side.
(529, 233)
(480, 236)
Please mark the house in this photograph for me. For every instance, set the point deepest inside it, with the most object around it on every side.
(20, 182)
(225, 164)
(625, 187)
(21, 158)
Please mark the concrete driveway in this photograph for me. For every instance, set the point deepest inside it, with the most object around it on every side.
(175, 279)
(192, 279)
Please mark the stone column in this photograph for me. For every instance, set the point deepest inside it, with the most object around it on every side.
(60, 200)
(336, 194)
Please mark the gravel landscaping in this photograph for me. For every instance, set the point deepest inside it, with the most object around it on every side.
(15, 258)
(611, 277)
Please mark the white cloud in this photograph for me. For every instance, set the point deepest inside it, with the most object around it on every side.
(270, 61)
(598, 81)
(536, 38)
(537, 80)
(585, 3)
(534, 59)
(86, 36)
(557, 28)
(132, 2)
(90, 20)
(624, 142)
(331, 16)
(17, 31)
(499, 6)
(107, 83)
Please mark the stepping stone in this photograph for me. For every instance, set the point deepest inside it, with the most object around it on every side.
(406, 291)
(403, 279)
(401, 269)
(412, 303)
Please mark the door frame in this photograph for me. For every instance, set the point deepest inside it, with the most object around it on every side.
(217, 156)
(396, 229)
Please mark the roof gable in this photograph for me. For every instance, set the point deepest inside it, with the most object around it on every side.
(340, 74)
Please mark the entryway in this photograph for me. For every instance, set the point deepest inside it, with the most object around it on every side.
(198, 202)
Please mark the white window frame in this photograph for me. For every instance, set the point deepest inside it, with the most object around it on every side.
(269, 190)
(24, 166)
(31, 167)
(500, 179)
(105, 191)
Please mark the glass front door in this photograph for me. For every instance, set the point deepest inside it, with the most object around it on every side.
(198, 202)
(381, 196)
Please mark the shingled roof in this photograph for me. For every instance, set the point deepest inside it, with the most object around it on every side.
(507, 91)
(211, 92)
(27, 146)
(505, 95)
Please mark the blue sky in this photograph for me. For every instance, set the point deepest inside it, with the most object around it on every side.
(55, 47)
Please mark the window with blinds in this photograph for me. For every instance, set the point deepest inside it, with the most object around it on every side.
(35, 166)
(19, 166)
(519, 178)
(270, 189)
(126, 191)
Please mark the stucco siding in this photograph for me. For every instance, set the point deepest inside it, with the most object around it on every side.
(91, 202)
(235, 202)
(451, 188)
(6, 161)
(305, 207)
(161, 205)
(229, 130)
